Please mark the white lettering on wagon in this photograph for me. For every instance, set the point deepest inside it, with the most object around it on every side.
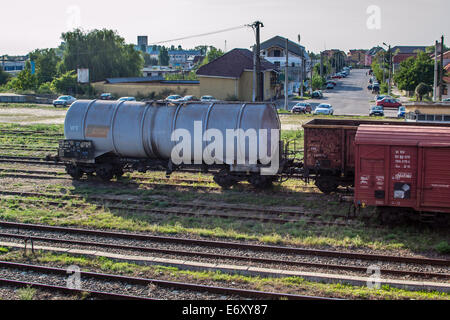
(402, 175)
(440, 186)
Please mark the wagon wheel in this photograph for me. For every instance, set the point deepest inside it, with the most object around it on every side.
(261, 182)
(105, 173)
(74, 171)
(224, 179)
(327, 184)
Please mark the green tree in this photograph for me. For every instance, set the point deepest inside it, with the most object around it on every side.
(46, 62)
(103, 52)
(421, 90)
(212, 54)
(415, 70)
(149, 61)
(24, 80)
(317, 82)
(4, 76)
(163, 56)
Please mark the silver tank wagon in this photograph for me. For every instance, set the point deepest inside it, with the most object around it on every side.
(106, 136)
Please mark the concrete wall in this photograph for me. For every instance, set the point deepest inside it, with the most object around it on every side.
(219, 88)
(133, 89)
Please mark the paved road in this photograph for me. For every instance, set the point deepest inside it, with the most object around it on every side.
(350, 96)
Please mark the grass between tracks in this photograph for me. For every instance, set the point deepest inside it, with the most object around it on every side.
(290, 285)
(92, 215)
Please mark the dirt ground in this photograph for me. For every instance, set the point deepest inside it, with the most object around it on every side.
(32, 116)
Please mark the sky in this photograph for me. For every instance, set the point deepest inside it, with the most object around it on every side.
(322, 24)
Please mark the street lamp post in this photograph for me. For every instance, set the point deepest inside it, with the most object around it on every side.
(390, 67)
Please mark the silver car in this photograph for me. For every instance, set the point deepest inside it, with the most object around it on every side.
(64, 101)
(324, 108)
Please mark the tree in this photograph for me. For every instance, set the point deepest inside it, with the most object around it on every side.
(415, 70)
(46, 62)
(24, 80)
(4, 76)
(317, 82)
(163, 56)
(212, 54)
(103, 52)
(421, 90)
(149, 61)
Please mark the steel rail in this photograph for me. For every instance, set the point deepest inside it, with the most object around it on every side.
(224, 256)
(233, 245)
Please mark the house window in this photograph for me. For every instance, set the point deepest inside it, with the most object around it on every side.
(277, 53)
(277, 63)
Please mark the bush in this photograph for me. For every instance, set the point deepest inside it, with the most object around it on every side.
(443, 247)
(384, 88)
(45, 88)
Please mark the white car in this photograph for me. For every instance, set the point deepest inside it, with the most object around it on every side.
(324, 108)
(208, 99)
(64, 101)
(173, 98)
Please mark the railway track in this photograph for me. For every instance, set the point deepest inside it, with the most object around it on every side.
(32, 132)
(142, 207)
(11, 172)
(227, 291)
(247, 253)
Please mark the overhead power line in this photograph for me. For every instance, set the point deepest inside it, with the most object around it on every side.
(201, 35)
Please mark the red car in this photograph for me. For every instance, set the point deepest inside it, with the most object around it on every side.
(336, 77)
(389, 103)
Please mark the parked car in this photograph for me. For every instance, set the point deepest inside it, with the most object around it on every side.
(64, 101)
(324, 108)
(189, 99)
(376, 111)
(332, 82)
(330, 86)
(446, 100)
(317, 94)
(369, 87)
(401, 112)
(389, 103)
(376, 88)
(106, 96)
(301, 107)
(381, 97)
(336, 76)
(127, 99)
(208, 98)
(173, 98)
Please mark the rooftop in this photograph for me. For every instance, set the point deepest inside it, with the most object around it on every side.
(232, 64)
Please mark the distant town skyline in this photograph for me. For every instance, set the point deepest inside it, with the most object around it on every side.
(322, 25)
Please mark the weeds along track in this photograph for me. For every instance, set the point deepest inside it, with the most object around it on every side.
(112, 286)
(31, 132)
(219, 252)
(173, 208)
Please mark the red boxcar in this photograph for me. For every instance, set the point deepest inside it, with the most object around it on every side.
(329, 149)
(403, 166)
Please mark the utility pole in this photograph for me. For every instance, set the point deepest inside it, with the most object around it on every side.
(254, 74)
(321, 64)
(286, 78)
(259, 80)
(435, 81)
(441, 82)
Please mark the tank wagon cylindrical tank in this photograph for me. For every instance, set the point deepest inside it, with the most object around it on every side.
(110, 137)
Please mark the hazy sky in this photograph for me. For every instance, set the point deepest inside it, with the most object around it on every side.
(344, 24)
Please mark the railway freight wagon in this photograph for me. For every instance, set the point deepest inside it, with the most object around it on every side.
(110, 137)
(329, 150)
(403, 167)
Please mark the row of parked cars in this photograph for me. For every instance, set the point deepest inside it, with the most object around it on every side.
(304, 107)
(385, 101)
(66, 101)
